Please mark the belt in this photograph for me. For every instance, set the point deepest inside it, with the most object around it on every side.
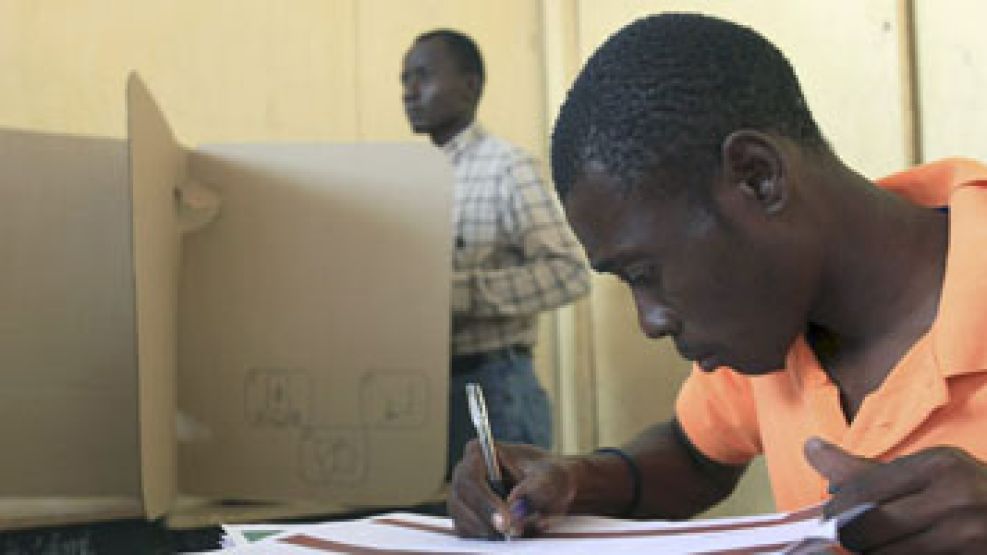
(467, 362)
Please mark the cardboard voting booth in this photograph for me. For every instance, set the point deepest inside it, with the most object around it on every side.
(229, 322)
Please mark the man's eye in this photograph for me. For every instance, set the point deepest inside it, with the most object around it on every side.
(417, 74)
(637, 277)
(637, 280)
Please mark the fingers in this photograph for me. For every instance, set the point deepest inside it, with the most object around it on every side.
(542, 488)
(468, 523)
(472, 504)
(547, 486)
(920, 498)
(835, 464)
(883, 482)
(898, 518)
(545, 491)
(962, 532)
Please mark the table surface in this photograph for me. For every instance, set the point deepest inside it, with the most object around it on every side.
(138, 536)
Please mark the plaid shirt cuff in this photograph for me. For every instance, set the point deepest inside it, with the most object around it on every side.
(461, 292)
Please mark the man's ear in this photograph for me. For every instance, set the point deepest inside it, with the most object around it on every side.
(753, 162)
(474, 85)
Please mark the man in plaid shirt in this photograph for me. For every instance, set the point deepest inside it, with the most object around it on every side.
(514, 255)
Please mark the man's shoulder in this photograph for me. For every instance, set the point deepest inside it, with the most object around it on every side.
(510, 153)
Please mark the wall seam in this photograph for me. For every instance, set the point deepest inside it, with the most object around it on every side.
(911, 84)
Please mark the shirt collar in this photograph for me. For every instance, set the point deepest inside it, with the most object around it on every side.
(959, 330)
(455, 146)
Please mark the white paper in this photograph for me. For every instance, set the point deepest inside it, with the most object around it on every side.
(411, 533)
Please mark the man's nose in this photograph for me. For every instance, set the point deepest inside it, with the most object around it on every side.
(656, 320)
(410, 90)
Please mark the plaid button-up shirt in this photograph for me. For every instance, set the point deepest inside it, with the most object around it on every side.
(514, 254)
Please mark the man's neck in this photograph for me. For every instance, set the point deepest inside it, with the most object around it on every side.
(881, 283)
(442, 136)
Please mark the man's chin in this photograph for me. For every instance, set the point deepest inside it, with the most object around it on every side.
(419, 127)
(745, 367)
(759, 369)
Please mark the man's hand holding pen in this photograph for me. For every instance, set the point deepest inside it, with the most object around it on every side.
(540, 485)
(516, 487)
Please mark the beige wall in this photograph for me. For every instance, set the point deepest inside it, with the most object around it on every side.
(243, 70)
(223, 69)
(952, 78)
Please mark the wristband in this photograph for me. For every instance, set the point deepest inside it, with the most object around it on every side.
(635, 475)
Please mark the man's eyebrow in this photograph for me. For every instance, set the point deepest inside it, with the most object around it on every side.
(605, 266)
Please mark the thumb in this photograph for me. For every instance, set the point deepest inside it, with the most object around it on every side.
(835, 464)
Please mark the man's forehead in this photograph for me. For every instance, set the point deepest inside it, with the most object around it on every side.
(613, 221)
(598, 215)
(432, 49)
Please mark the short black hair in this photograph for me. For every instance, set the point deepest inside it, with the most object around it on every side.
(665, 91)
(463, 48)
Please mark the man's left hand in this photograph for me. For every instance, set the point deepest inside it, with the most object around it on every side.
(932, 501)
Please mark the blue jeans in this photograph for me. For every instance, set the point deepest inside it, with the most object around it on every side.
(516, 404)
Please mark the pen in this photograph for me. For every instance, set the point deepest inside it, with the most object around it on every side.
(478, 413)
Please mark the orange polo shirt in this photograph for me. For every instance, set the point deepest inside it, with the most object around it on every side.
(935, 395)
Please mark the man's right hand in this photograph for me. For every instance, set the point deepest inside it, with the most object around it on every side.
(542, 487)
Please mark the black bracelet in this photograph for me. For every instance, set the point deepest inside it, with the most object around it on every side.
(635, 474)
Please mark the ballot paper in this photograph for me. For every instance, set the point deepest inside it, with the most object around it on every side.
(804, 531)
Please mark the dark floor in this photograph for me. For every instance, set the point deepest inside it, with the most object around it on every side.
(138, 537)
(124, 537)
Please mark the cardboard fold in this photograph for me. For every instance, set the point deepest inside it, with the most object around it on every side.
(157, 166)
(197, 206)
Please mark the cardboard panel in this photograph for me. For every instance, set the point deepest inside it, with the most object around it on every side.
(68, 399)
(34, 512)
(314, 324)
(157, 167)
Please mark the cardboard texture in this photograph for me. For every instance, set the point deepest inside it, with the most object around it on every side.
(158, 166)
(243, 321)
(67, 343)
(322, 258)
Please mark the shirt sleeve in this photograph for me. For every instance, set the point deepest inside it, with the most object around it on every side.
(552, 270)
(718, 414)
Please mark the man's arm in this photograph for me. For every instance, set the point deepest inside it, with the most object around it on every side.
(677, 480)
(552, 270)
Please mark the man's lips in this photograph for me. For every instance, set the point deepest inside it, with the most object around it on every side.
(707, 363)
(705, 360)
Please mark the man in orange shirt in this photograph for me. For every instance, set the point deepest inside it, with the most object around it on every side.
(837, 327)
